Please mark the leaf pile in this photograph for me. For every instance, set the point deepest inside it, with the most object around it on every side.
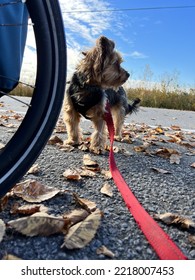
(78, 226)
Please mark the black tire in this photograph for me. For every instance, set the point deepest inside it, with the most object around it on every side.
(31, 137)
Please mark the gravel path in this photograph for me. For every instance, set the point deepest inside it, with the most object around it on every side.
(158, 192)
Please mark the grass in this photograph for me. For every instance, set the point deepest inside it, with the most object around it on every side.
(163, 98)
(22, 90)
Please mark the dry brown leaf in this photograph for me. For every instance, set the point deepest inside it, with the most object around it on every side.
(71, 174)
(28, 209)
(2, 146)
(165, 152)
(175, 158)
(107, 174)
(83, 232)
(76, 216)
(159, 130)
(175, 127)
(38, 224)
(127, 139)
(3, 202)
(60, 127)
(55, 140)
(160, 170)
(87, 173)
(177, 220)
(193, 164)
(173, 138)
(141, 148)
(34, 191)
(88, 205)
(90, 164)
(66, 148)
(2, 229)
(34, 169)
(84, 147)
(10, 257)
(107, 190)
(105, 251)
(191, 238)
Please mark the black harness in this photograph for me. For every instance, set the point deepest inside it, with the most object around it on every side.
(84, 96)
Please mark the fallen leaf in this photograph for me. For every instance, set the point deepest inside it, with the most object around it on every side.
(90, 164)
(71, 174)
(160, 170)
(55, 140)
(2, 146)
(87, 173)
(10, 257)
(34, 191)
(105, 251)
(159, 130)
(165, 152)
(175, 127)
(76, 216)
(107, 190)
(83, 232)
(2, 229)
(141, 148)
(191, 238)
(127, 139)
(193, 164)
(60, 127)
(66, 148)
(38, 224)
(3, 202)
(107, 174)
(88, 205)
(34, 169)
(28, 209)
(175, 158)
(177, 220)
(83, 147)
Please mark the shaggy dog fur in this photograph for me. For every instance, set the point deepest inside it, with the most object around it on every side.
(98, 78)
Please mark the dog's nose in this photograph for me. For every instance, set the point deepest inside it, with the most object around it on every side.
(128, 75)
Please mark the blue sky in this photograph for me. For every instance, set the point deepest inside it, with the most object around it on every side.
(164, 39)
(156, 44)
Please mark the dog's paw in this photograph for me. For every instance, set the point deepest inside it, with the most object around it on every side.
(72, 142)
(95, 150)
(117, 138)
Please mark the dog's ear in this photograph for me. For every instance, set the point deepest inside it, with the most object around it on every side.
(104, 48)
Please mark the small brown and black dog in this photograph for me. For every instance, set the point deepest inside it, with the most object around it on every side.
(98, 78)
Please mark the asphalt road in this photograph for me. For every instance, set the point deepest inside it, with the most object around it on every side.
(158, 192)
(149, 116)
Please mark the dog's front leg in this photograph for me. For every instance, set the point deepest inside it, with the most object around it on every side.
(72, 120)
(98, 137)
(118, 114)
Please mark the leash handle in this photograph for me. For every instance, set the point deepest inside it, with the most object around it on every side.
(164, 247)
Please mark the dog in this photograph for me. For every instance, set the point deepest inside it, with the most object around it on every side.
(98, 78)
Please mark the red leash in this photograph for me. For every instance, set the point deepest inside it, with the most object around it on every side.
(165, 248)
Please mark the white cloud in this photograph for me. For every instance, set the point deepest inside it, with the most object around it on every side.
(137, 54)
(82, 28)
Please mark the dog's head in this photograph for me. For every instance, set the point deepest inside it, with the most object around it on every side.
(102, 65)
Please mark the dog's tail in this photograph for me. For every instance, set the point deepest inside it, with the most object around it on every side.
(134, 107)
